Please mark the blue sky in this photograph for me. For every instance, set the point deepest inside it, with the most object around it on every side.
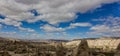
(26, 19)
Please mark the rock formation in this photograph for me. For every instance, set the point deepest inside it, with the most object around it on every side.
(82, 49)
(60, 50)
(118, 51)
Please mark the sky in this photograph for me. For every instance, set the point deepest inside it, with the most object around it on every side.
(59, 19)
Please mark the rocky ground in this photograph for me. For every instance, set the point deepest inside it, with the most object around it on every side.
(24, 48)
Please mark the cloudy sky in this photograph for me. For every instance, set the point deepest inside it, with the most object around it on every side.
(59, 19)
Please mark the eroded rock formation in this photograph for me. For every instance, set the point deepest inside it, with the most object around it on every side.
(82, 49)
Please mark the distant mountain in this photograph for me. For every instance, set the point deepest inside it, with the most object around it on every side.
(58, 40)
(109, 38)
(98, 38)
(46, 40)
(2, 38)
(32, 40)
(8, 39)
(53, 40)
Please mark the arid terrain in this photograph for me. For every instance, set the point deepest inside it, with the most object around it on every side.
(78, 47)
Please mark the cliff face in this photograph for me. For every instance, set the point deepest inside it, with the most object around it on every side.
(104, 44)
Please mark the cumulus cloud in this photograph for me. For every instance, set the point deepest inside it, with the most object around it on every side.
(26, 29)
(85, 24)
(10, 22)
(49, 28)
(7, 34)
(100, 28)
(52, 11)
(15, 24)
(110, 27)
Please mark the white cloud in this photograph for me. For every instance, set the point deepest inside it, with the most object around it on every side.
(17, 24)
(55, 18)
(8, 34)
(110, 27)
(49, 28)
(85, 24)
(52, 11)
(8, 21)
(64, 10)
(100, 28)
(26, 29)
